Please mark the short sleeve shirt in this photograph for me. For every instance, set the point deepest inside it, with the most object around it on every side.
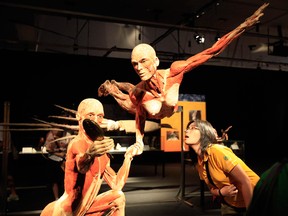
(221, 161)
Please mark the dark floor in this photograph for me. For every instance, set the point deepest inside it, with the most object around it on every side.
(148, 192)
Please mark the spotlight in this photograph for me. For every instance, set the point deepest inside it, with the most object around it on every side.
(199, 39)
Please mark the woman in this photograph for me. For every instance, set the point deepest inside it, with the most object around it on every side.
(226, 175)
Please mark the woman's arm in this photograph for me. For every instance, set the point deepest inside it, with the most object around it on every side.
(243, 183)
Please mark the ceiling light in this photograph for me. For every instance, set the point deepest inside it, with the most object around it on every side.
(199, 39)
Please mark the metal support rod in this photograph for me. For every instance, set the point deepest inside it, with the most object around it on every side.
(182, 160)
(181, 192)
(5, 150)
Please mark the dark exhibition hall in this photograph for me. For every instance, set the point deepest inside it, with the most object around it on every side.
(117, 107)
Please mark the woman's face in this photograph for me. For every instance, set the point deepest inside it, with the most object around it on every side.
(192, 135)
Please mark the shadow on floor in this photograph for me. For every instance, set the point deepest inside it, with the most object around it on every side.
(147, 193)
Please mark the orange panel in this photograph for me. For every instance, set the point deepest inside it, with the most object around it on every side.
(190, 110)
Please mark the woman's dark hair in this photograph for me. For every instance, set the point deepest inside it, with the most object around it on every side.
(208, 136)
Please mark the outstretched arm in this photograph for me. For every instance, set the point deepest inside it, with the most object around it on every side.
(85, 158)
(117, 181)
(219, 46)
(111, 125)
(115, 89)
(140, 127)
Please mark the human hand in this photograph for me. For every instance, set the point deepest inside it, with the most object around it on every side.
(100, 147)
(114, 125)
(120, 125)
(229, 190)
(135, 149)
(255, 16)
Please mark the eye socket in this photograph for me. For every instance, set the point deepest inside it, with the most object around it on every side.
(145, 61)
(100, 116)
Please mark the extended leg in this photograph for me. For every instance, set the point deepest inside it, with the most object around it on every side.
(111, 202)
(49, 209)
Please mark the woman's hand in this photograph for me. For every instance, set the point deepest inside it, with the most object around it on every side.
(229, 190)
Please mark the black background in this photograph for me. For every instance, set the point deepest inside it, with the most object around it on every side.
(253, 101)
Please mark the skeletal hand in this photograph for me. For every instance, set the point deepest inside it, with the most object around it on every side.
(120, 125)
(256, 16)
(135, 149)
(101, 147)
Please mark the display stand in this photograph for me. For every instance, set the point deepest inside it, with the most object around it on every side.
(181, 192)
(6, 147)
